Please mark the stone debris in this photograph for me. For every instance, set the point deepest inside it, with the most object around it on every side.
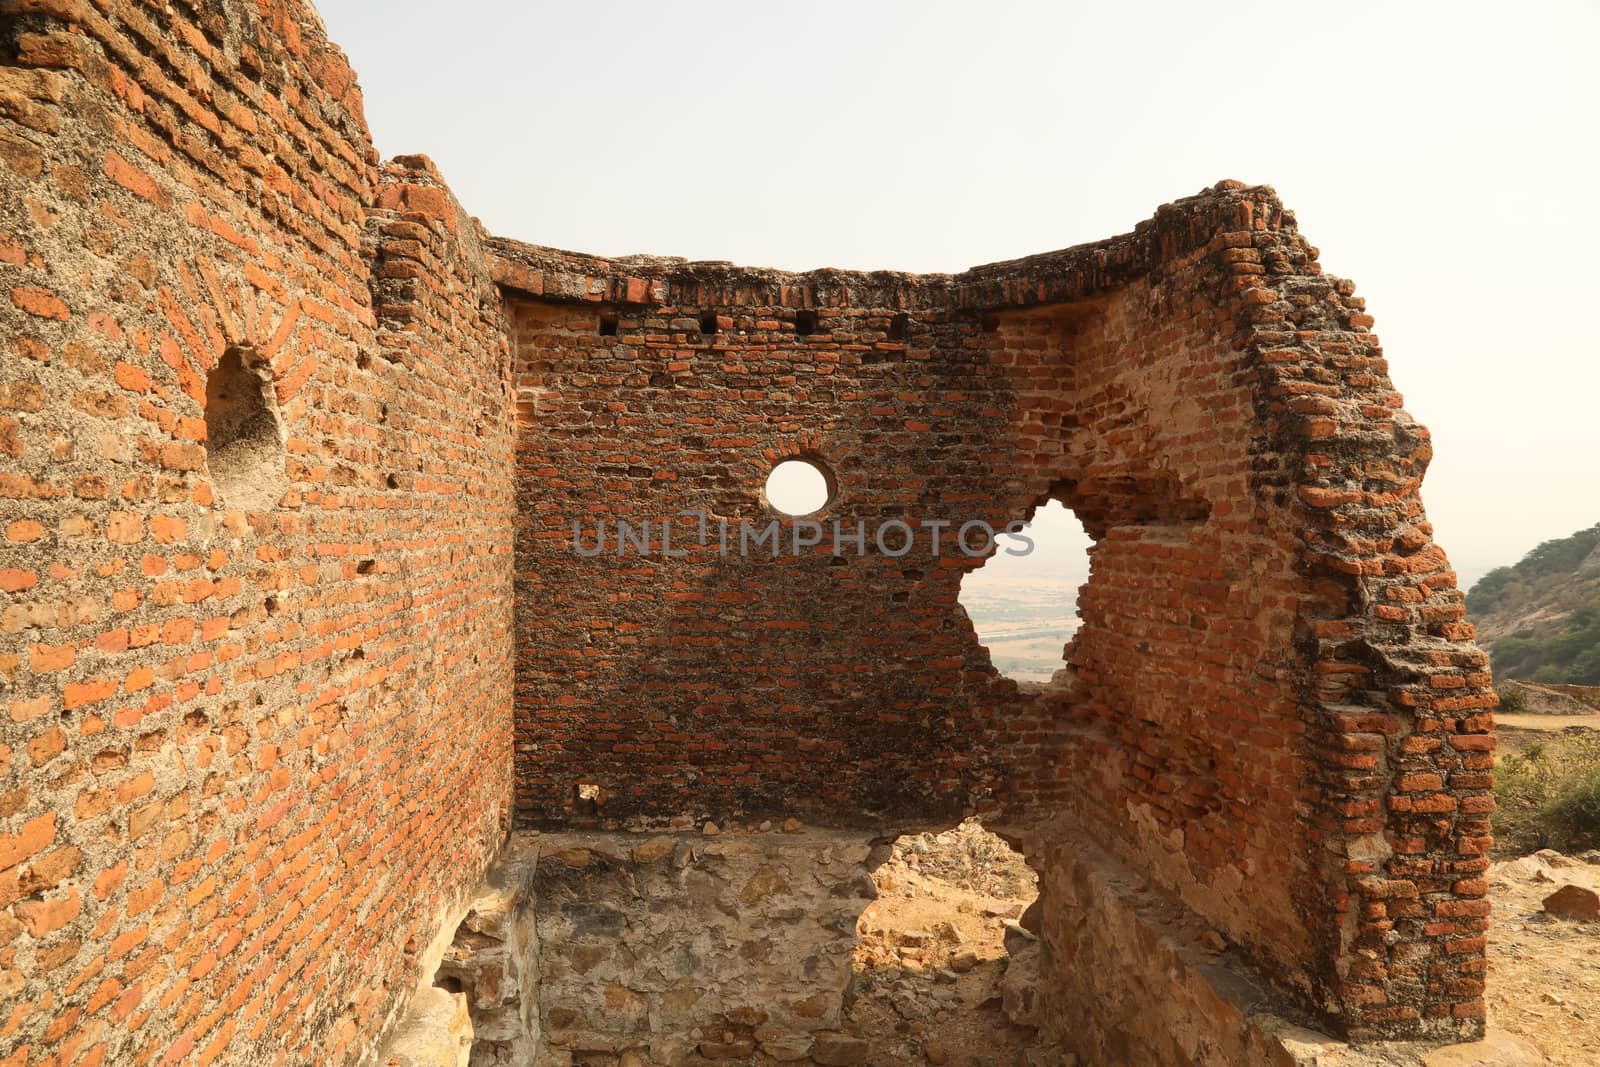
(1574, 902)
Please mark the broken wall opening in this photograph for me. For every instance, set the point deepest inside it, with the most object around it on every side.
(1023, 600)
(945, 960)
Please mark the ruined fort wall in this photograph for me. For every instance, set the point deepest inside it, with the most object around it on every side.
(1399, 739)
(255, 727)
(1184, 756)
(252, 749)
(1283, 698)
(1202, 396)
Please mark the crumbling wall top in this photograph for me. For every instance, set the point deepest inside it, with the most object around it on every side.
(1077, 273)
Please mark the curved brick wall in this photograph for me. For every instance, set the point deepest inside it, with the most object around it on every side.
(1277, 711)
(247, 760)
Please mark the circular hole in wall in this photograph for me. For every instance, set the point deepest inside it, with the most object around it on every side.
(798, 487)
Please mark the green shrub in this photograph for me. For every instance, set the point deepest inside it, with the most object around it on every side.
(1573, 814)
(1548, 795)
(1512, 700)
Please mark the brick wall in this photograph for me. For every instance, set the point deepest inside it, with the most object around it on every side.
(249, 758)
(253, 757)
(812, 684)
(1216, 412)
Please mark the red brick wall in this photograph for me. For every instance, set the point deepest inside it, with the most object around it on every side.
(251, 758)
(812, 685)
(1185, 708)
(1215, 411)
(1397, 703)
(1275, 687)
(248, 758)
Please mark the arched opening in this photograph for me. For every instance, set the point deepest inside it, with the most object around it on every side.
(244, 437)
(1023, 601)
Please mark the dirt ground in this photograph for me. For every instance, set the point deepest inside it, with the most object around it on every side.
(1544, 972)
(932, 952)
(1508, 723)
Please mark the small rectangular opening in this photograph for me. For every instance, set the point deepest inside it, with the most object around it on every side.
(897, 326)
(608, 324)
(805, 322)
(991, 322)
(587, 798)
(708, 322)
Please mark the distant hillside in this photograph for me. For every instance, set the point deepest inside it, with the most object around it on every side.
(1540, 619)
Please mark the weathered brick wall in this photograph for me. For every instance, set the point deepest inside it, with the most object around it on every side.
(251, 758)
(1275, 683)
(815, 685)
(1214, 410)
(1397, 703)
(1184, 707)
(248, 758)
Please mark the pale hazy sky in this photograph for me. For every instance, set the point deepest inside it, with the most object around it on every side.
(1443, 155)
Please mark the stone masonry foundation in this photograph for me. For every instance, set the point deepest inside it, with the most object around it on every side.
(680, 949)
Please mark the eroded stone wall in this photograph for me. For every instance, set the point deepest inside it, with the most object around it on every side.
(674, 949)
(252, 751)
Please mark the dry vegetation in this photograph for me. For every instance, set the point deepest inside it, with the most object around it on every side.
(1547, 787)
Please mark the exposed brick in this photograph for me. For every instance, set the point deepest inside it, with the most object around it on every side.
(34, 836)
(45, 917)
(248, 725)
(40, 302)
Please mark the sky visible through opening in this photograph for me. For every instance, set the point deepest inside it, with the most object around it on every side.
(796, 487)
(1441, 154)
(1025, 607)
